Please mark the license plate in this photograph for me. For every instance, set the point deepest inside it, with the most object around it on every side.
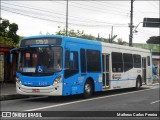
(35, 90)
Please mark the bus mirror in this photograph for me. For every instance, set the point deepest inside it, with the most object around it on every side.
(71, 57)
(11, 55)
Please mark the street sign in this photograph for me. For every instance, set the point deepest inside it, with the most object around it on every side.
(151, 22)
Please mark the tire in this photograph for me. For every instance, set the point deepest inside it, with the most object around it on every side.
(138, 83)
(88, 89)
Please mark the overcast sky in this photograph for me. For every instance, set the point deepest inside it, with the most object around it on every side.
(93, 17)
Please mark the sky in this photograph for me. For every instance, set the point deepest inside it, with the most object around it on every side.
(98, 16)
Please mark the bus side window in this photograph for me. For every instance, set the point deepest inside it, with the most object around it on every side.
(128, 61)
(137, 61)
(83, 60)
(93, 60)
(114, 69)
(117, 62)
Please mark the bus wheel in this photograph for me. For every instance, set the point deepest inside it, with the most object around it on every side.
(138, 83)
(88, 89)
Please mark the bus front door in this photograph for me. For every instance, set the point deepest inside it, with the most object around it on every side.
(106, 75)
(143, 70)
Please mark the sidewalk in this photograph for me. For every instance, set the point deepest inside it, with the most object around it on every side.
(8, 92)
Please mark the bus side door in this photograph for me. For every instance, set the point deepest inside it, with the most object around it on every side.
(144, 70)
(106, 71)
(71, 70)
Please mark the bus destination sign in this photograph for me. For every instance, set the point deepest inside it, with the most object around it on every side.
(55, 41)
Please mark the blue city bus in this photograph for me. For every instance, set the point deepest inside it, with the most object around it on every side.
(56, 65)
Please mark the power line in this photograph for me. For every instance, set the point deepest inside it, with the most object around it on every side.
(114, 3)
(74, 24)
(101, 11)
(78, 18)
(100, 8)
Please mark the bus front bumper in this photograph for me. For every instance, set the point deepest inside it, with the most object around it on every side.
(49, 90)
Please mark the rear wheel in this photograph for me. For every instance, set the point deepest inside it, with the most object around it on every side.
(88, 89)
(138, 83)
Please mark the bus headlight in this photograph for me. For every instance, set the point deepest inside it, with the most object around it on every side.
(57, 80)
(18, 81)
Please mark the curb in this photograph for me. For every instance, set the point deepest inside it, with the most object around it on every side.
(12, 97)
(155, 83)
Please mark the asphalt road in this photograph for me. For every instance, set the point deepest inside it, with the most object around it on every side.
(123, 101)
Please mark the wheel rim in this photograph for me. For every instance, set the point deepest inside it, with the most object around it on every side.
(87, 88)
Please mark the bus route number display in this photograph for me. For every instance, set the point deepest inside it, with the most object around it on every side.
(54, 41)
(41, 41)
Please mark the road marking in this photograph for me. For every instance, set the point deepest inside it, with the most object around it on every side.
(155, 102)
(79, 101)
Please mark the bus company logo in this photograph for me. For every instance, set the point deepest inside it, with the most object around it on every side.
(6, 114)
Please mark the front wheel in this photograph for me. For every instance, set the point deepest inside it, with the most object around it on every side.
(88, 89)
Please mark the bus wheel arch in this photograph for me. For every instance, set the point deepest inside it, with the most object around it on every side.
(138, 82)
(88, 88)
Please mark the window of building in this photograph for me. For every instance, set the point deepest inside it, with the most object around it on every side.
(117, 62)
(128, 61)
(93, 61)
(137, 61)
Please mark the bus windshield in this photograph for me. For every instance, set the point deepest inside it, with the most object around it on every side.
(40, 60)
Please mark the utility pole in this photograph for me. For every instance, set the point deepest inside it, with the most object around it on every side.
(112, 32)
(131, 24)
(98, 37)
(109, 39)
(67, 18)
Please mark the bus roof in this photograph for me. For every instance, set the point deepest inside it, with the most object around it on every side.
(123, 47)
(88, 42)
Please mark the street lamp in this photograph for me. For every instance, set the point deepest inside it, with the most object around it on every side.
(135, 30)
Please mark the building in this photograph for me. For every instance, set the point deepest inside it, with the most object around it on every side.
(7, 70)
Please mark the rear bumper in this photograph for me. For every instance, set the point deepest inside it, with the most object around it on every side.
(49, 90)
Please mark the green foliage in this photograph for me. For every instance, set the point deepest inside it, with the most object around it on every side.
(121, 42)
(81, 34)
(4, 25)
(73, 33)
(8, 34)
(153, 40)
(112, 40)
(7, 41)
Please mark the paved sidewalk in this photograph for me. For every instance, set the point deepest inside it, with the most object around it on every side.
(8, 92)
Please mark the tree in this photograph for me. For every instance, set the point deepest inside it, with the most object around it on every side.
(81, 34)
(112, 40)
(153, 40)
(8, 33)
(73, 33)
(4, 25)
(12, 32)
(121, 42)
